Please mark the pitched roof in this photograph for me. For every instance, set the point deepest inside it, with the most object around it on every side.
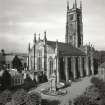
(66, 49)
(102, 65)
(9, 57)
(15, 73)
(12, 72)
(16, 53)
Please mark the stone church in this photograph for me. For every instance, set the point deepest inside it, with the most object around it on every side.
(70, 59)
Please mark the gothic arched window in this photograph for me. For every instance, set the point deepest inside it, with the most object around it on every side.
(39, 60)
(50, 65)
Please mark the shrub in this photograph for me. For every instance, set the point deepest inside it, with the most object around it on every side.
(5, 97)
(93, 93)
(81, 100)
(6, 80)
(103, 102)
(34, 99)
(97, 82)
(84, 100)
(102, 91)
(100, 84)
(50, 102)
(19, 97)
(45, 78)
(28, 83)
(70, 102)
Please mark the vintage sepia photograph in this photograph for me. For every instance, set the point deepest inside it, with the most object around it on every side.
(52, 52)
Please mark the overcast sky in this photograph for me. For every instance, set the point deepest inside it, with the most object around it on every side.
(20, 19)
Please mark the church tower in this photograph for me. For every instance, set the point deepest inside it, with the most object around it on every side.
(74, 25)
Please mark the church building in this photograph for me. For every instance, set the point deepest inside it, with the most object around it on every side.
(70, 59)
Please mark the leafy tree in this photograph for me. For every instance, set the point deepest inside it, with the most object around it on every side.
(6, 80)
(17, 64)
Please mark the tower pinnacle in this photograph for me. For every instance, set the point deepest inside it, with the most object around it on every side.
(45, 38)
(75, 3)
(34, 37)
(44, 34)
(29, 47)
(81, 5)
(67, 4)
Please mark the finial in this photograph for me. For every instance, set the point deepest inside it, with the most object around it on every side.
(29, 47)
(39, 37)
(89, 44)
(67, 4)
(44, 33)
(56, 47)
(81, 5)
(56, 43)
(34, 37)
(75, 3)
(45, 36)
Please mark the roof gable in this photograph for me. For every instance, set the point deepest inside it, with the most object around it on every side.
(66, 49)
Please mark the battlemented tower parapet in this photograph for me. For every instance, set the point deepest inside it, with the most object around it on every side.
(74, 25)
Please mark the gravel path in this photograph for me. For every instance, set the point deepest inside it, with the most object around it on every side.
(76, 89)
